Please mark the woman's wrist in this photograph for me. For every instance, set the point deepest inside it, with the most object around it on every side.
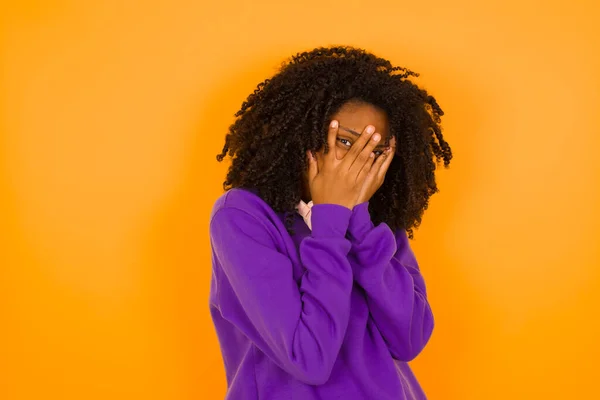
(360, 221)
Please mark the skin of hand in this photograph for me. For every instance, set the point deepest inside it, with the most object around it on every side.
(377, 173)
(333, 181)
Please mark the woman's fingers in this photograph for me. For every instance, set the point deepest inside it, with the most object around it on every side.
(360, 161)
(378, 164)
(358, 146)
(366, 169)
(331, 140)
(365, 154)
(370, 172)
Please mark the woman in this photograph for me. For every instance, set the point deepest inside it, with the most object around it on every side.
(315, 292)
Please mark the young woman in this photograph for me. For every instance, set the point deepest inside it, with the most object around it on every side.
(315, 291)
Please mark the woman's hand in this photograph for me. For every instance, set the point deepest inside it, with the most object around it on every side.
(377, 173)
(334, 181)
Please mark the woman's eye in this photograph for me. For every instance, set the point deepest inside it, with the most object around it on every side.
(345, 142)
(378, 152)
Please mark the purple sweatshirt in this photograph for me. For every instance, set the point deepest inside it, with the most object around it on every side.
(332, 313)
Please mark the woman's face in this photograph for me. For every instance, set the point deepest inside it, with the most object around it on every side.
(353, 118)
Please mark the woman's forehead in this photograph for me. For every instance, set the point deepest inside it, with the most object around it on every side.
(354, 118)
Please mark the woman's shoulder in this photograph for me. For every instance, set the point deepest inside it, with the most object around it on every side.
(245, 200)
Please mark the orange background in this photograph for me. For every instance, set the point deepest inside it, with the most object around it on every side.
(112, 113)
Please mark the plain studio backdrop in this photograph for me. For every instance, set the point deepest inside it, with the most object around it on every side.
(112, 113)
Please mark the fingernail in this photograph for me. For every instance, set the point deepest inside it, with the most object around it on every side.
(334, 124)
(370, 129)
(376, 137)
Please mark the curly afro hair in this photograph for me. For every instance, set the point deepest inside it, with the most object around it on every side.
(289, 113)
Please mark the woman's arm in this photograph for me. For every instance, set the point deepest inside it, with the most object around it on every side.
(386, 268)
(299, 325)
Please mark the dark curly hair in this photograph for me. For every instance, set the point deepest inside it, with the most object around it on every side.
(289, 114)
